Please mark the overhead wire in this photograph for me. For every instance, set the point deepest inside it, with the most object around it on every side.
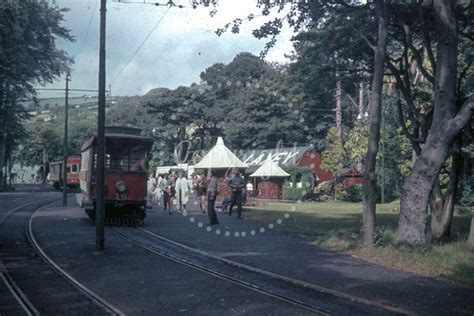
(170, 3)
(140, 46)
(87, 32)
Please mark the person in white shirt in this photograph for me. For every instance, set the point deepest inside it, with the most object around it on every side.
(182, 191)
(151, 184)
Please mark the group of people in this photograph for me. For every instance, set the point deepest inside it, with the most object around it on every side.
(174, 190)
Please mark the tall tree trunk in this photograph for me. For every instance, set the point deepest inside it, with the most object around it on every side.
(370, 176)
(442, 206)
(360, 115)
(446, 124)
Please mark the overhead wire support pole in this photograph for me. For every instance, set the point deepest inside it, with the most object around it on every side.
(65, 149)
(100, 180)
(382, 143)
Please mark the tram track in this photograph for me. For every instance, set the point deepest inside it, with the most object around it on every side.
(23, 302)
(38, 270)
(21, 299)
(313, 298)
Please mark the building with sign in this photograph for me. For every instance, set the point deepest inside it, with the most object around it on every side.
(303, 156)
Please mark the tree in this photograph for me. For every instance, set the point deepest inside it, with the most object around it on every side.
(28, 34)
(348, 25)
(446, 123)
(414, 22)
(356, 144)
(369, 196)
(333, 157)
(41, 149)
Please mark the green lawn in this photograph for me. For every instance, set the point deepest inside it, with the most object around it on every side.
(336, 226)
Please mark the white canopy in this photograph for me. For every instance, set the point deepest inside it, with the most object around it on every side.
(163, 169)
(220, 157)
(270, 169)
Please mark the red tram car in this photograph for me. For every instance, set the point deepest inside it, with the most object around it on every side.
(125, 176)
(56, 172)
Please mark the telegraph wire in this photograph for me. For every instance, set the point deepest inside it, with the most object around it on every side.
(140, 46)
(87, 33)
(170, 3)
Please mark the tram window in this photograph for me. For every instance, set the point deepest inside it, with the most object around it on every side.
(74, 168)
(124, 155)
(137, 158)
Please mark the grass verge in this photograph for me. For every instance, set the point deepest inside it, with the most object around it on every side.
(336, 226)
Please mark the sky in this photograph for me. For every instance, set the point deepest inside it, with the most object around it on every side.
(181, 45)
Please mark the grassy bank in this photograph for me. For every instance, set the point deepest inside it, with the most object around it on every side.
(336, 226)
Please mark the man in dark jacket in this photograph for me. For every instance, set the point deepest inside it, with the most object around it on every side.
(212, 192)
(236, 184)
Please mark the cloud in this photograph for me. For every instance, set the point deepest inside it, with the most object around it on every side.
(179, 49)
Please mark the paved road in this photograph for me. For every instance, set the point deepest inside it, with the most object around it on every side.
(293, 256)
(45, 290)
(138, 282)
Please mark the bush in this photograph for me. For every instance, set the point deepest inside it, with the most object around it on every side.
(325, 188)
(293, 194)
(354, 193)
(340, 193)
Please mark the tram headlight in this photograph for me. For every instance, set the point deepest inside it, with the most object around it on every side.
(121, 187)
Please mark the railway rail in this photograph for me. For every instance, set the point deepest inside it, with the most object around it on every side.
(309, 296)
(40, 269)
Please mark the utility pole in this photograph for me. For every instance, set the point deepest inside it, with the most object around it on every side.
(100, 183)
(360, 115)
(339, 108)
(66, 100)
(382, 195)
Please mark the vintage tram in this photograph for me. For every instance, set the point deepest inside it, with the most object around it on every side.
(125, 176)
(56, 172)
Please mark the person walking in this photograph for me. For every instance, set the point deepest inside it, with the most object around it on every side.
(182, 191)
(171, 197)
(164, 190)
(212, 192)
(158, 190)
(151, 184)
(201, 189)
(236, 184)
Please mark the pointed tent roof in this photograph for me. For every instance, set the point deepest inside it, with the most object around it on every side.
(220, 157)
(270, 169)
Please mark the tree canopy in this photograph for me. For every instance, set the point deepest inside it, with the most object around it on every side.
(29, 31)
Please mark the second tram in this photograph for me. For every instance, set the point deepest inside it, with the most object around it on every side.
(56, 172)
